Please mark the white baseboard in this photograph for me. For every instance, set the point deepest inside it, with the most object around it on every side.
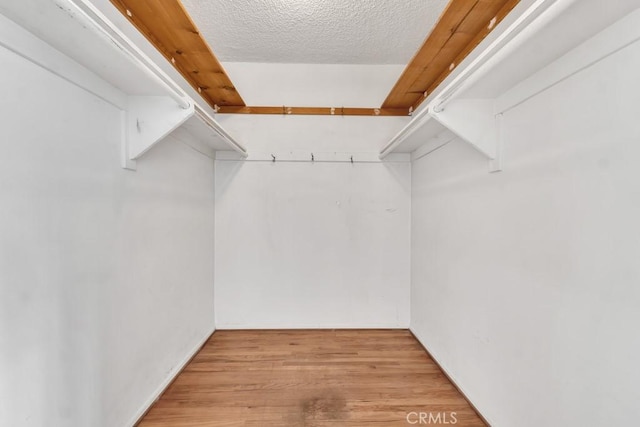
(294, 326)
(172, 375)
(450, 376)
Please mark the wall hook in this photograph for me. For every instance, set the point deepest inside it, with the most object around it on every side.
(351, 159)
(312, 158)
(274, 158)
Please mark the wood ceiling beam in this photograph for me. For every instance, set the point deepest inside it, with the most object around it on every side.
(167, 25)
(315, 111)
(461, 27)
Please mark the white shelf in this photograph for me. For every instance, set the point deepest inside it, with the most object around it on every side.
(421, 131)
(86, 49)
(536, 47)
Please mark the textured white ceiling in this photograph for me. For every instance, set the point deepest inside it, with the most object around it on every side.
(315, 31)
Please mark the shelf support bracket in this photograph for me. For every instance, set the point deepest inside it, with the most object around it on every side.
(148, 120)
(474, 121)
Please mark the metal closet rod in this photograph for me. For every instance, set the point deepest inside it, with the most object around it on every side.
(267, 157)
(516, 35)
(505, 44)
(90, 17)
(299, 161)
(215, 127)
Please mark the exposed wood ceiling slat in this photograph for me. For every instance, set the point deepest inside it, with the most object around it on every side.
(462, 26)
(315, 111)
(169, 28)
(502, 13)
(454, 13)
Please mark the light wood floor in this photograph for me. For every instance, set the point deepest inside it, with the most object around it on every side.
(310, 378)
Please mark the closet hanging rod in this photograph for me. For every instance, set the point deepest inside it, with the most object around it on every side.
(90, 17)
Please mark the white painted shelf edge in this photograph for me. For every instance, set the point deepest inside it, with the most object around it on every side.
(148, 117)
(160, 118)
(447, 114)
(472, 120)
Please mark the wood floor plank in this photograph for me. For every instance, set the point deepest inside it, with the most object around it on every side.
(311, 378)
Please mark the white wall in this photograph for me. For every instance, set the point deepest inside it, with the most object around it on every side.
(280, 133)
(525, 283)
(313, 85)
(106, 275)
(302, 245)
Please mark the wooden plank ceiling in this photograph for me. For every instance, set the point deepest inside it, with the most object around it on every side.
(167, 25)
(461, 27)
